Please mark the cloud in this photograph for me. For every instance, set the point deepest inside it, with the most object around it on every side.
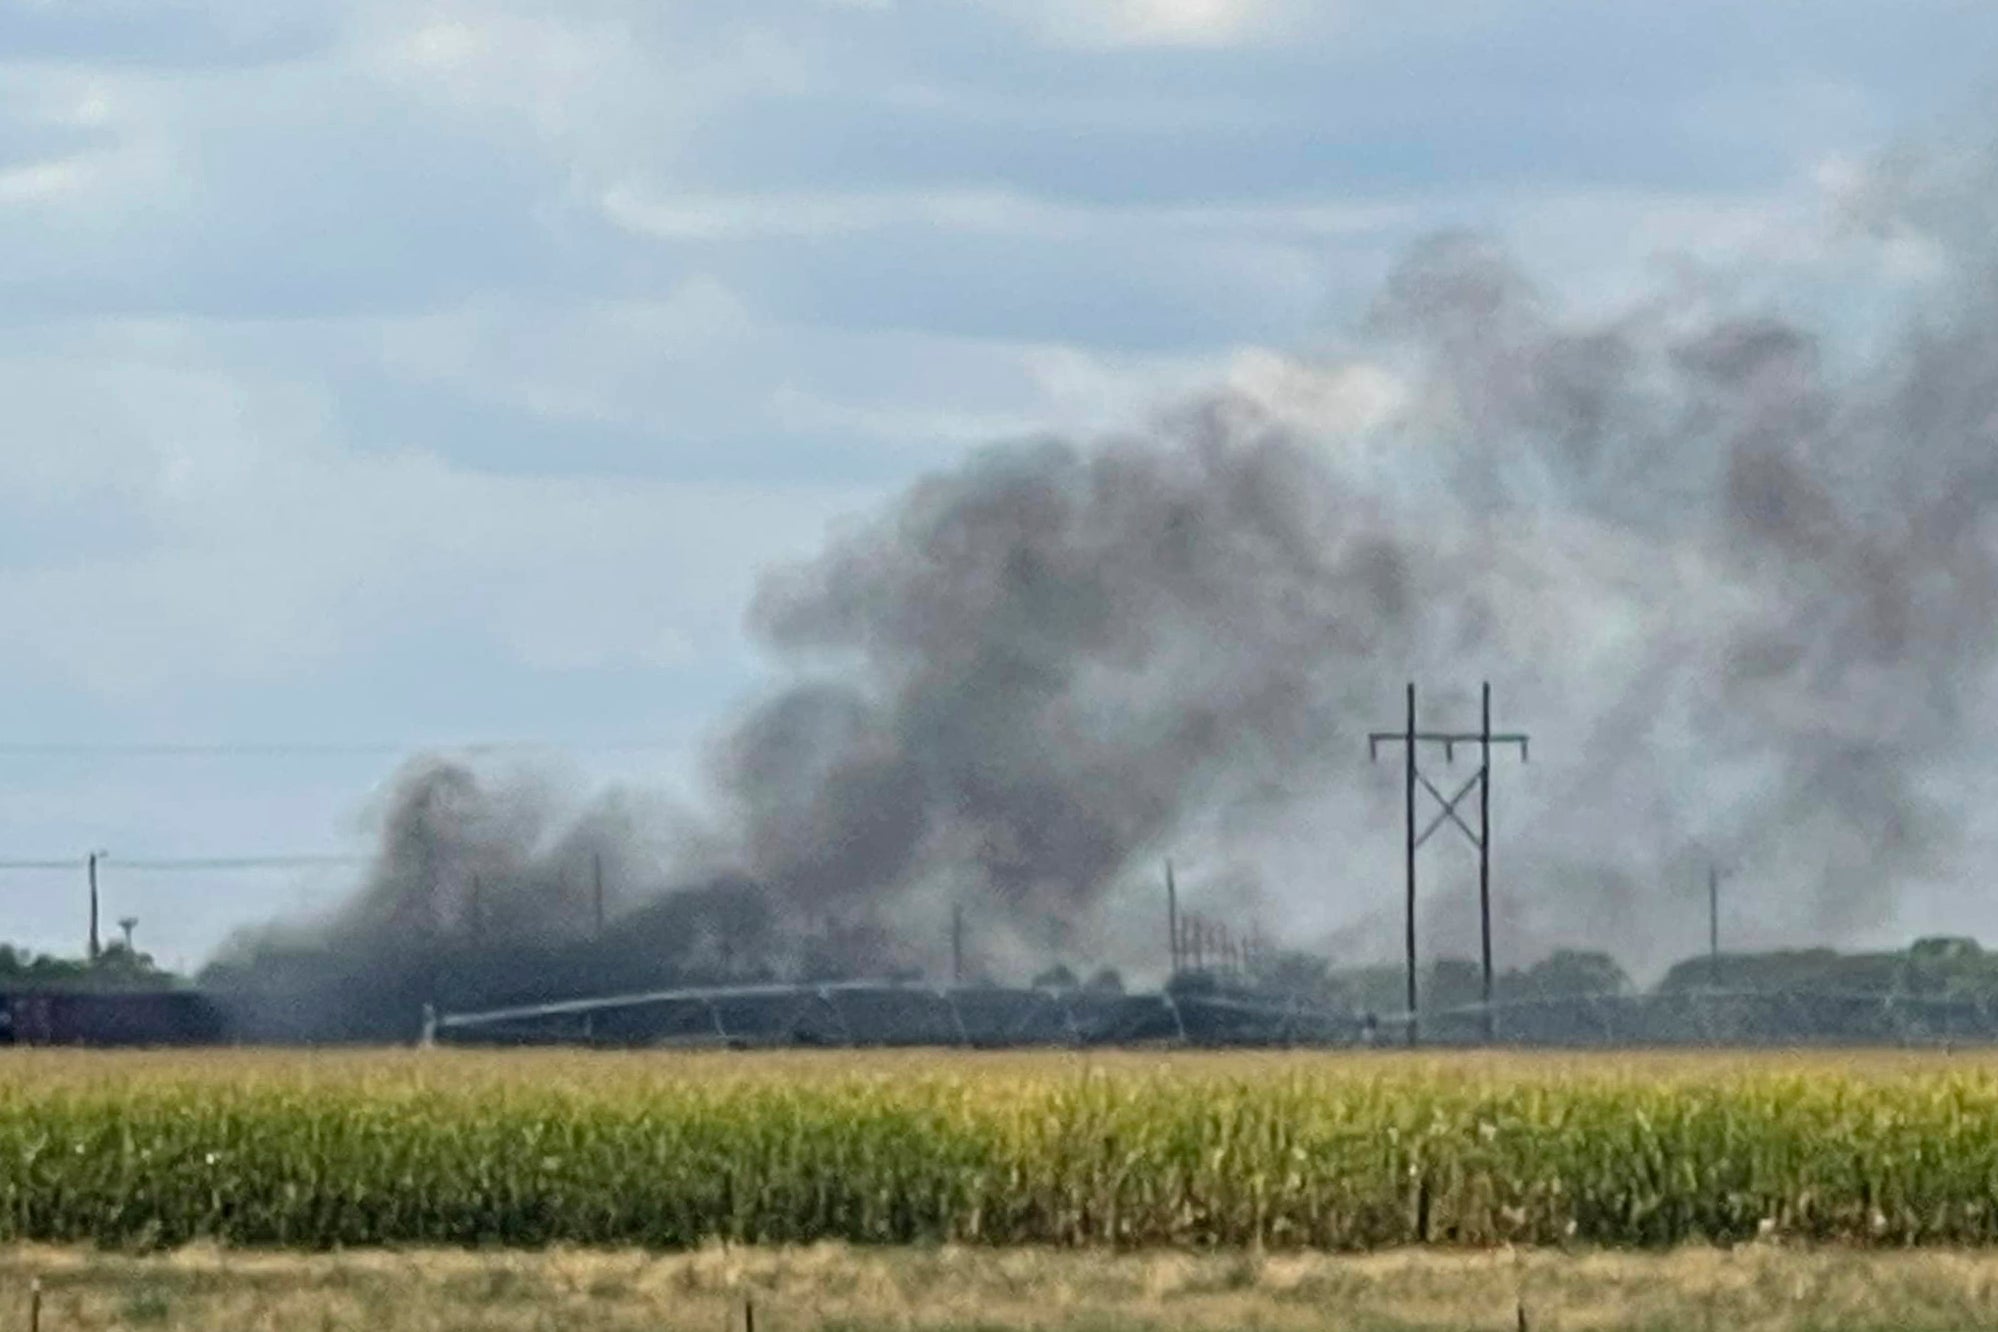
(682, 216)
(1154, 23)
(167, 34)
(244, 544)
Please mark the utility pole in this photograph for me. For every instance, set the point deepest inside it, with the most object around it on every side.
(1408, 810)
(957, 943)
(597, 885)
(1713, 926)
(432, 925)
(96, 945)
(1172, 922)
(1485, 850)
(1412, 776)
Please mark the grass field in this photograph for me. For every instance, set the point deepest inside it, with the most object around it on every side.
(1352, 1152)
(819, 1288)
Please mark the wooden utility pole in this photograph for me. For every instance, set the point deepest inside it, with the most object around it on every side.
(597, 888)
(957, 943)
(1485, 851)
(96, 946)
(1713, 926)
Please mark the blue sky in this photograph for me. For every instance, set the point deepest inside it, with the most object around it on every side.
(425, 372)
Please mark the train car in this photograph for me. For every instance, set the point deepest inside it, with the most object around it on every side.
(109, 1017)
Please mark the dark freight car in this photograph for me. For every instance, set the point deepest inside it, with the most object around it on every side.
(109, 1017)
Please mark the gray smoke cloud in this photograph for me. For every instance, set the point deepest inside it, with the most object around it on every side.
(1046, 657)
(1737, 575)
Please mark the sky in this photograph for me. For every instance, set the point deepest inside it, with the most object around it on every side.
(387, 376)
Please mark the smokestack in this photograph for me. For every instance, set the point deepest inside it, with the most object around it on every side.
(1172, 921)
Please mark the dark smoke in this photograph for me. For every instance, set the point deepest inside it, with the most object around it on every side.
(1049, 654)
(483, 895)
(1739, 582)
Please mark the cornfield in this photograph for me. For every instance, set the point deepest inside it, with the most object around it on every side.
(667, 1151)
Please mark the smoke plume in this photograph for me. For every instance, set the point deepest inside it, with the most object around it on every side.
(1734, 573)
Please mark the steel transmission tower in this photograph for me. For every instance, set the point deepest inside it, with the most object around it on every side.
(1413, 777)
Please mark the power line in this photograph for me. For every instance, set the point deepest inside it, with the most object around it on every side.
(316, 749)
(92, 863)
(170, 864)
(238, 862)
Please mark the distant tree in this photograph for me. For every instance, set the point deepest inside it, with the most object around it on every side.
(1452, 982)
(1950, 965)
(1568, 971)
(1935, 966)
(1107, 980)
(1945, 948)
(1192, 983)
(1378, 989)
(116, 967)
(1300, 977)
(1056, 977)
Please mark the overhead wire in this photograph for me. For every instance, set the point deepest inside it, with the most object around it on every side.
(169, 864)
(307, 748)
(272, 749)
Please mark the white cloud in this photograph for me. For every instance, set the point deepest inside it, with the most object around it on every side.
(558, 78)
(85, 124)
(43, 181)
(1189, 22)
(593, 360)
(693, 216)
(1153, 23)
(696, 217)
(250, 546)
